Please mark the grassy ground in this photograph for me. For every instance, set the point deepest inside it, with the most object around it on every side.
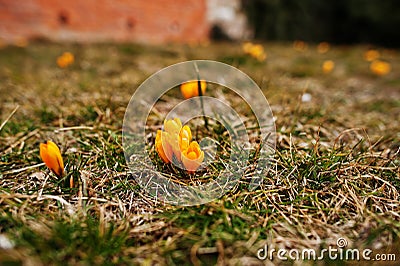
(335, 172)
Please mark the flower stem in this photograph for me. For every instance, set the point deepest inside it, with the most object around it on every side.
(201, 96)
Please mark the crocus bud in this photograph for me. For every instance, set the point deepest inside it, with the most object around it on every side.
(51, 156)
(190, 89)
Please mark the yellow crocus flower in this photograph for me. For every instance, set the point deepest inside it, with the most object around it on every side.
(257, 51)
(328, 66)
(380, 68)
(177, 140)
(191, 89)
(51, 156)
(371, 55)
(65, 60)
(192, 157)
(254, 50)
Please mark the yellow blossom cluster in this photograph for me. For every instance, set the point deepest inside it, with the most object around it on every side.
(254, 50)
(377, 66)
(65, 59)
(176, 141)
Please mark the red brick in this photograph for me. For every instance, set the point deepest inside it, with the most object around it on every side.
(155, 21)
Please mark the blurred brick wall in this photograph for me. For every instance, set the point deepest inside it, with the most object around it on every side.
(152, 21)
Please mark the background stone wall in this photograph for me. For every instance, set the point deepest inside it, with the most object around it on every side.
(155, 21)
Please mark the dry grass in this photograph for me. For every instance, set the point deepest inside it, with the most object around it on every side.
(335, 172)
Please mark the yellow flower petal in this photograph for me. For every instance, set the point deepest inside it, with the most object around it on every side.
(172, 126)
(192, 155)
(185, 136)
(160, 147)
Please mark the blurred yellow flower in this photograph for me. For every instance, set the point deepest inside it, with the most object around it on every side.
(192, 157)
(51, 156)
(177, 140)
(380, 68)
(371, 55)
(190, 89)
(247, 47)
(300, 46)
(254, 50)
(65, 59)
(328, 66)
(323, 47)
